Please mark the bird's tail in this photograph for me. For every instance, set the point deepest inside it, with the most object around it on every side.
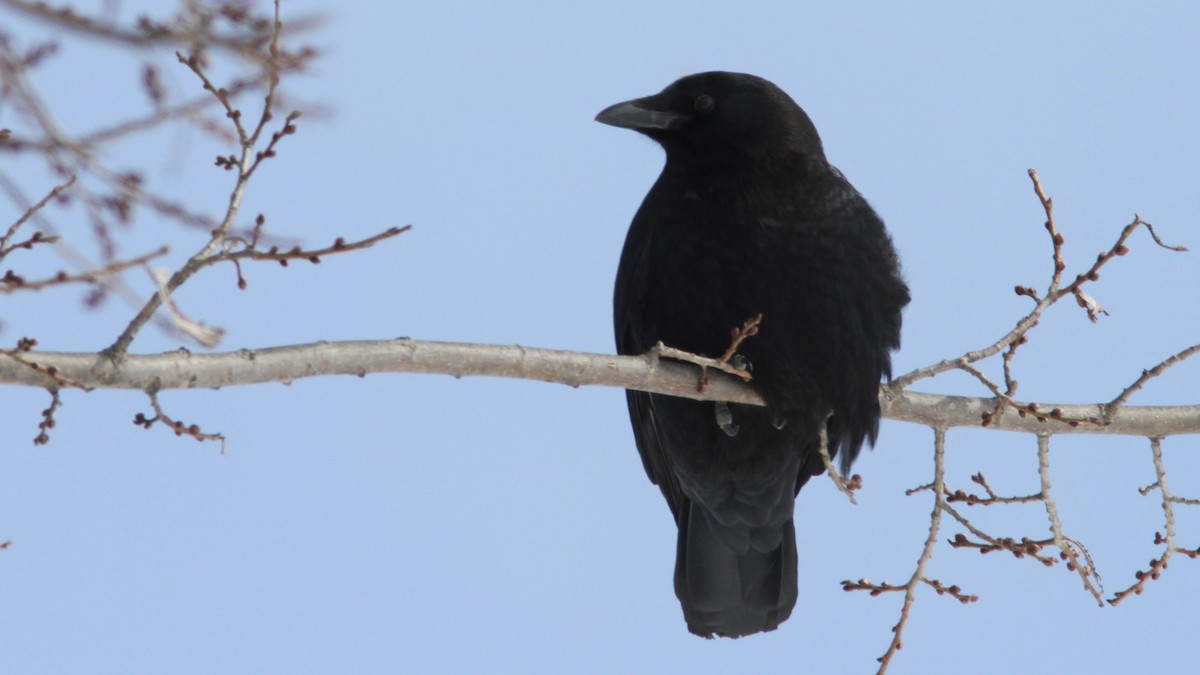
(732, 594)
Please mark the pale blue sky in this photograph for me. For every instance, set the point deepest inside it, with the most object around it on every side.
(425, 524)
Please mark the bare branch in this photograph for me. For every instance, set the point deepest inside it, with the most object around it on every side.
(1117, 249)
(1053, 294)
(205, 335)
(1019, 548)
(1114, 406)
(1167, 541)
(245, 163)
(748, 329)
(244, 37)
(935, 521)
(47, 422)
(1056, 238)
(180, 428)
(966, 411)
(52, 379)
(340, 245)
(846, 486)
(10, 282)
(1071, 549)
(971, 499)
(884, 587)
(208, 258)
(182, 369)
(1023, 409)
(37, 237)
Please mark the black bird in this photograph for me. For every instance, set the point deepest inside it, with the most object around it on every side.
(749, 218)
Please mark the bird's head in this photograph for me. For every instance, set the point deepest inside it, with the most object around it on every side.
(720, 116)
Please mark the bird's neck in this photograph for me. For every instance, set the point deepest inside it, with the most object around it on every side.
(732, 179)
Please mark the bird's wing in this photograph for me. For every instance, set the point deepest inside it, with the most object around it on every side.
(658, 466)
(630, 318)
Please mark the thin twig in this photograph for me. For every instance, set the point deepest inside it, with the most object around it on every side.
(180, 428)
(1070, 548)
(971, 499)
(1023, 409)
(659, 350)
(844, 485)
(47, 423)
(884, 587)
(5, 248)
(1113, 407)
(10, 283)
(1117, 249)
(1167, 540)
(49, 375)
(182, 29)
(935, 521)
(1019, 548)
(748, 329)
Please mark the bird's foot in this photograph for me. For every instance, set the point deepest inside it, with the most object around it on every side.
(725, 419)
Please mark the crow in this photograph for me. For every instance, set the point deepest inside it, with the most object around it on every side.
(748, 218)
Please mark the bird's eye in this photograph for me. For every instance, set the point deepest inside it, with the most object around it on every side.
(704, 103)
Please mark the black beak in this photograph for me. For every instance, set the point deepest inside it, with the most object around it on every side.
(642, 114)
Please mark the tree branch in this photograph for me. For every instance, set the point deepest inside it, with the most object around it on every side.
(182, 369)
(918, 575)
